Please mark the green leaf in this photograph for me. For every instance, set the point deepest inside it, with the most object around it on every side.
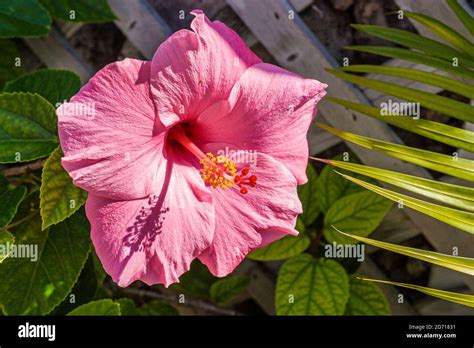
(308, 286)
(457, 218)
(28, 127)
(458, 167)
(8, 64)
(456, 263)
(447, 106)
(442, 31)
(196, 282)
(88, 11)
(416, 57)
(463, 15)
(101, 307)
(366, 299)
(56, 86)
(37, 287)
(307, 195)
(83, 291)
(157, 308)
(359, 213)
(331, 187)
(127, 307)
(6, 239)
(226, 289)
(427, 77)
(455, 195)
(59, 197)
(23, 18)
(463, 299)
(456, 137)
(284, 248)
(9, 202)
(418, 42)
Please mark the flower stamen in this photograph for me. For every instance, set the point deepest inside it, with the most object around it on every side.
(217, 171)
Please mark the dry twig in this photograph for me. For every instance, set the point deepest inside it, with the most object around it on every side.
(24, 169)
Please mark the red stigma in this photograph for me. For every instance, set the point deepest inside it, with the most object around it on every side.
(244, 182)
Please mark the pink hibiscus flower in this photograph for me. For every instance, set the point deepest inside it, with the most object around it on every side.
(195, 154)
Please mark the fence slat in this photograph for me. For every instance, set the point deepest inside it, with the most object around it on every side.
(141, 24)
(56, 52)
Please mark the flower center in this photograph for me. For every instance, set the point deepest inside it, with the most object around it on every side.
(217, 171)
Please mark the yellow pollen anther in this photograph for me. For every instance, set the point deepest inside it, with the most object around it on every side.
(218, 171)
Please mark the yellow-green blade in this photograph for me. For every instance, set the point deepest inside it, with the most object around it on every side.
(416, 57)
(460, 219)
(463, 299)
(453, 136)
(458, 167)
(456, 263)
(426, 77)
(448, 106)
(463, 16)
(417, 42)
(443, 32)
(455, 195)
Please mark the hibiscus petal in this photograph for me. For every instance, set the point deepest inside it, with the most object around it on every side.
(244, 221)
(273, 234)
(107, 134)
(192, 70)
(271, 111)
(154, 239)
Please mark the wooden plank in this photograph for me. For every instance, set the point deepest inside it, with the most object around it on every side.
(297, 49)
(320, 141)
(56, 52)
(69, 28)
(141, 24)
(301, 5)
(395, 228)
(444, 279)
